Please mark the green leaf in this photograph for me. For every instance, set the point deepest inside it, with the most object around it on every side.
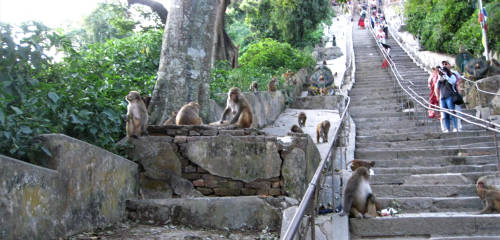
(2, 117)
(17, 110)
(53, 97)
(26, 130)
(75, 120)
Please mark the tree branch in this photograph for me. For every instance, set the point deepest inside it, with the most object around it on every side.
(157, 7)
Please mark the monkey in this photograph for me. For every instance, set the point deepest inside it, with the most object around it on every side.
(490, 197)
(254, 87)
(288, 76)
(137, 115)
(296, 129)
(302, 119)
(238, 105)
(360, 163)
(171, 120)
(359, 200)
(146, 99)
(322, 131)
(189, 115)
(271, 86)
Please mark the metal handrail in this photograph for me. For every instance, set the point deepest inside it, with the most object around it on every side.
(426, 105)
(299, 214)
(427, 70)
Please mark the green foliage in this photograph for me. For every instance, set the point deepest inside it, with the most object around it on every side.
(297, 19)
(83, 96)
(268, 53)
(262, 60)
(108, 20)
(293, 21)
(443, 26)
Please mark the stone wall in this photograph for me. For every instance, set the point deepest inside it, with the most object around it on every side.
(217, 162)
(87, 188)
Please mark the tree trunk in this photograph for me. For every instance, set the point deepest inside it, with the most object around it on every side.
(224, 48)
(186, 57)
(157, 7)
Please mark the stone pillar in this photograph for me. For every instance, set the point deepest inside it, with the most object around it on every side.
(184, 72)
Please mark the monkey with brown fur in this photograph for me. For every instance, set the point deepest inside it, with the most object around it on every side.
(490, 197)
(359, 200)
(360, 163)
(189, 115)
(302, 119)
(322, 131)
(271, 86)
(238, 105)
(171, 120)
(296, 129)
(146, 99)
(137, 115)
(254, 87)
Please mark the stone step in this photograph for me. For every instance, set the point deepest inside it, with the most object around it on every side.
(432, 204)
(434, 127)
(462, 140)
(413, 136)
(427, 224)
(399, 179)
(223, 213)
(424, 190)
(385, 154)
(437, 161)
(432, 170)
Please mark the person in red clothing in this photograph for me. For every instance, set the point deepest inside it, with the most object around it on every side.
(434, 93)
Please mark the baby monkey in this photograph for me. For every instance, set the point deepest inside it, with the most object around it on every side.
(254, 87)
(296, 129)
(302, 119)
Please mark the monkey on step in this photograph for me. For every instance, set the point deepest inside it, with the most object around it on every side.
(359, 200)
(490, 196)
(360, 163)
(254, 87)
(238, 105)
(322, 131)
(189, 115)
(137, 115)
(302, 119)
(296, 129)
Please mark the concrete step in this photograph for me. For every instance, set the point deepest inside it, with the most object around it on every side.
(411, 128)
(483, 141)
(386, 154)
(433, 204)
(437, 161)
(447, 224)
(432, 170)
(399, 179)
(424, 190)
(414, 136)
(222, 213)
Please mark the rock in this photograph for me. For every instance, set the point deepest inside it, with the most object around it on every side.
(158, 156)
(238, 158)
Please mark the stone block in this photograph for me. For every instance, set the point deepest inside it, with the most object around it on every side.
(205, 191)
(248, 191)
(154, 189)
(158, 155)
(191, 176)
(212, 181)
(275, 192)
(226, 192)
(235, 157)
(258, 185)
(199, 183)
(190, 169)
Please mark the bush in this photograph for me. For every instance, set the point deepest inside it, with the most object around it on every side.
(261, 61)
(82, 96)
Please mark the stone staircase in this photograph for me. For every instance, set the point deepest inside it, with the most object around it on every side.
(428, 175)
